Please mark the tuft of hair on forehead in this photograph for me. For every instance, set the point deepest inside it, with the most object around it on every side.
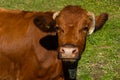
(73, 9)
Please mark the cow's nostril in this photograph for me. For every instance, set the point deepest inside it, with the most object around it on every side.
(62, 50)
(75, 51)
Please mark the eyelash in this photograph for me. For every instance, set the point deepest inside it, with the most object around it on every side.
(56, 28)
(59, 29)
(84, 29)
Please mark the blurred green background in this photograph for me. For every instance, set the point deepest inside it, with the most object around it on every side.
(101, 59)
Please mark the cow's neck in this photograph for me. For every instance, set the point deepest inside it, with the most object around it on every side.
(70, 70)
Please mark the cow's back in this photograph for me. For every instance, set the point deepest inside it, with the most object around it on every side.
(15, 42)
(14, 32)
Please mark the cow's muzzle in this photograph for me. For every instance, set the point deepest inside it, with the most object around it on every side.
(69, 52)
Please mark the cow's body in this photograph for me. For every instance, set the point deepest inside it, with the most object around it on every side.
(21, 55)
(21, 47)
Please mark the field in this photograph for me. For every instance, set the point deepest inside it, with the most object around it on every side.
(101, 59)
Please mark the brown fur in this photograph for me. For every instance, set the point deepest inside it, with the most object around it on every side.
(21, 55)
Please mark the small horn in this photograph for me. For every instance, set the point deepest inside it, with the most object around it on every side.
(56, 14)
(92, 27)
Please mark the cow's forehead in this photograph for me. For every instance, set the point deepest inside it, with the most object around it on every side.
(73, 10)
(71, 20)
(71, 15)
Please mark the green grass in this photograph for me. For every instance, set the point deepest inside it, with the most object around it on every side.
(101, 59)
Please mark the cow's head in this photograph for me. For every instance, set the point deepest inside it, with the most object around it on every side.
(73, 25)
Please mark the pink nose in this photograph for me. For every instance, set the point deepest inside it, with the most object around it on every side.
(68, 52)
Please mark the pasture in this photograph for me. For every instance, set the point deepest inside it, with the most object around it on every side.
(101, 58)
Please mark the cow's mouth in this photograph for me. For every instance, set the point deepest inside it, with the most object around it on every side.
(69, 58)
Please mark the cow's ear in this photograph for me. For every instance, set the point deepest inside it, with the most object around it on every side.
(45, 22)
(41, 23)
(100, 21)
(97, 22)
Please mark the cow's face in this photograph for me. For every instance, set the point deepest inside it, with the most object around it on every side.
(74, 24)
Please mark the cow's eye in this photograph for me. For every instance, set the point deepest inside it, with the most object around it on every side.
(56, 28)
(62, 30)
(85, 28)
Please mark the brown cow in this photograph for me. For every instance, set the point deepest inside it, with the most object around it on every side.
(21, 55)
(21, 42)
(73, 25)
